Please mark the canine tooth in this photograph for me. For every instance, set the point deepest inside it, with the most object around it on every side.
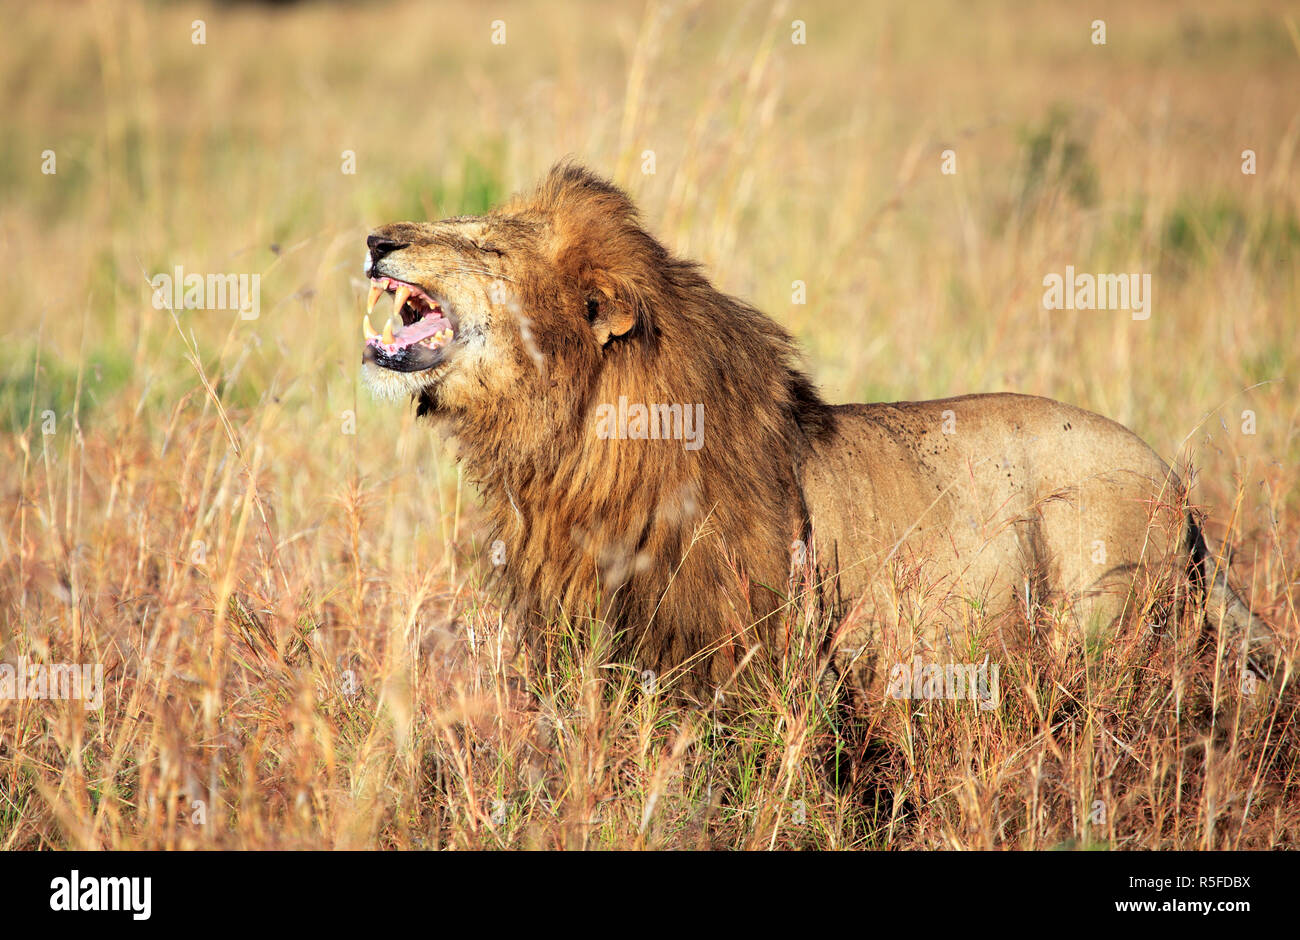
(375, 293)
(370, 331)
(388, 332)
(400, 296)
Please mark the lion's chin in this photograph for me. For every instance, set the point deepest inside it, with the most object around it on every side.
(389, 384)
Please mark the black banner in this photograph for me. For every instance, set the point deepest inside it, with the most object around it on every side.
(936, 890)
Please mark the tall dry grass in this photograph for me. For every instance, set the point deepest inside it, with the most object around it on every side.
(285, 581)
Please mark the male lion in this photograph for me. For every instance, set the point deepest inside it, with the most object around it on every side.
(570, 353)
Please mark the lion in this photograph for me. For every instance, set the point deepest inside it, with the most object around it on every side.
(651, 454)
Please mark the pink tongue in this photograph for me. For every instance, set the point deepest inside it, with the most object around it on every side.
(420, 329)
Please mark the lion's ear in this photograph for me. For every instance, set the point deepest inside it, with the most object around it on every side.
(608, 317)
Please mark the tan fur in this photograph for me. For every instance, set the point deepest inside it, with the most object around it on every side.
(1001, 503)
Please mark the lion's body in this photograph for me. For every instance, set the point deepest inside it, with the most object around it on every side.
(1006, 505)
(1003, 504)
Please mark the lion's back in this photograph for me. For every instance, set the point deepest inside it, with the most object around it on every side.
(992, 498)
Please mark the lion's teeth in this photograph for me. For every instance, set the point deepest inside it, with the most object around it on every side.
(400, 296)
(375, 293)
(388, 332)
(368, 329)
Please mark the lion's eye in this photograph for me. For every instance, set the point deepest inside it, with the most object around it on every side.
(593, 308)
(490, 249)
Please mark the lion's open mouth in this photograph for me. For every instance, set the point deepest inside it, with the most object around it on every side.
(414, 335)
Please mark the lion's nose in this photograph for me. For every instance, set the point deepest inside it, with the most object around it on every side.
(380, 246)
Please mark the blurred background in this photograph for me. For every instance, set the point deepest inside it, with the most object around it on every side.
(201, 457)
